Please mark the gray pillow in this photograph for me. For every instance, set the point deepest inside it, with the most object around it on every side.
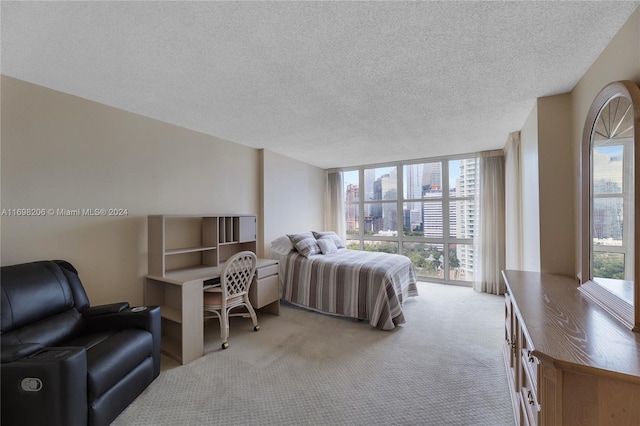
(327, 246)
(305, 243)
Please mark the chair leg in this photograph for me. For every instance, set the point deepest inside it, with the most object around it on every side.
(224, 328)
(252, 312)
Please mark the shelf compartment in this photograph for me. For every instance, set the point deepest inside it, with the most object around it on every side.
(185, 260)
(225, 251)
(183, 232)
(230, 237)
(209, 231)
(170, 313)
(171, 343)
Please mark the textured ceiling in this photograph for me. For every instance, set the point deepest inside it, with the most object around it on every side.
(329, 83)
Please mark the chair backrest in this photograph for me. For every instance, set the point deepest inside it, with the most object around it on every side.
(237, 273)
(40, 302)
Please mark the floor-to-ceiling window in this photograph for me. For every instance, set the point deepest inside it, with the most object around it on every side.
(424, 210)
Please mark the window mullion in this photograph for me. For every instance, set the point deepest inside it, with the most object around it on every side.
(627, 208)
(361, 214)
(445, 218)
(399, 206)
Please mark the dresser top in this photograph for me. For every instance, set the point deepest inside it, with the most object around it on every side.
(567, 328)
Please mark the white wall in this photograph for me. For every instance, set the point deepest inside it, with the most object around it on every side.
(530, 193)
(63, 152)
(293, 195)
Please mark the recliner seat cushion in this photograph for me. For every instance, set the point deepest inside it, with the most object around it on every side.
(111, 356)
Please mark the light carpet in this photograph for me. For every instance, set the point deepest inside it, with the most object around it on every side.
(443, 367)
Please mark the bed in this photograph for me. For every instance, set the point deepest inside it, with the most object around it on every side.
(370, 286)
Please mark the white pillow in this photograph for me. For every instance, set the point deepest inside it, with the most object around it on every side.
(327, 246)
(282, 245)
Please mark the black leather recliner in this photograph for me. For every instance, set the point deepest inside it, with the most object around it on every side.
(64, 362)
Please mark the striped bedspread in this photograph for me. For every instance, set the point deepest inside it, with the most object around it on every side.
(365, 285)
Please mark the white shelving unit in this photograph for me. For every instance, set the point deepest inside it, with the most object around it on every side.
(185, 251)
(179, 243)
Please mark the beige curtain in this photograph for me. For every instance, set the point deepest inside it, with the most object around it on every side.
(513, 202)
(490, 235)
(334, 219)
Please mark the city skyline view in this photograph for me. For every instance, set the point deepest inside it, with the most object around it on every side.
(611, 187)
(406, 215)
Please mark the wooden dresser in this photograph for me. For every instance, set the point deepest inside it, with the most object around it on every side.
(568, 361)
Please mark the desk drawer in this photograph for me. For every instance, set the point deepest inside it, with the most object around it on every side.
(265, 271)
(264, 291)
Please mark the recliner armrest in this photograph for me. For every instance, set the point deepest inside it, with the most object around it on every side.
(140, 317)
(143, 317)
(11, 353)
(105, 309)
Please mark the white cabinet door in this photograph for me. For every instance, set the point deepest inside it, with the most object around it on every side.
(247, 229)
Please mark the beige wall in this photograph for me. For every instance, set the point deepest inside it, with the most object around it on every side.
(293, 197)
(619, 61)
(63, 152)
(550, 149)
(555, 177)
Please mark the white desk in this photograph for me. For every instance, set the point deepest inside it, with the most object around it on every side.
(179, 294)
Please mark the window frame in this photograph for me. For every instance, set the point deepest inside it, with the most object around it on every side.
(626, 246)
(446, 241)
(625, 312)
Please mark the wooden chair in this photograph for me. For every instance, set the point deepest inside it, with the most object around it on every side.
(233, 292)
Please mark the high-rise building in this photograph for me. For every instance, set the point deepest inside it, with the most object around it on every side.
(465, 217)
(383, 216)
(432, 174)
(608, 211)
(352, 195)
(413, 183)
(432, 211)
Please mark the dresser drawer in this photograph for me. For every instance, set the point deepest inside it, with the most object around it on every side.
(264, 291)
(265, 271)
(523, 416)
(531, 407)
(530, 366)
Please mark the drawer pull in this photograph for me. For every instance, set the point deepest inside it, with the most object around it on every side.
(530, 398)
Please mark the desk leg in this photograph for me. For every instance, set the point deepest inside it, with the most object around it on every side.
(192, 321)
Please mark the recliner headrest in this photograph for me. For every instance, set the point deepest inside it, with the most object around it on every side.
(33, 291)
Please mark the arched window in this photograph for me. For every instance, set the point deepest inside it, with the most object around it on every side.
(610, 182)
